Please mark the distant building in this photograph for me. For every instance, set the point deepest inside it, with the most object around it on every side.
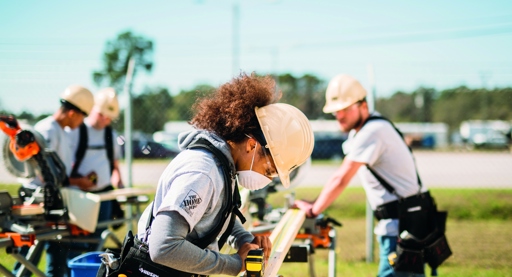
(425, 135)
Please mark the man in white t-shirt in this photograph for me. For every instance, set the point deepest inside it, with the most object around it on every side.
(102, 170)
(371, 144)
(76, 102)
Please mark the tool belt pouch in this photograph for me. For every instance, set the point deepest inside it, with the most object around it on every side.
(437, 249)
(408, 260)
(134, 260)
(416, 215)
(422, 235)
(416, 222)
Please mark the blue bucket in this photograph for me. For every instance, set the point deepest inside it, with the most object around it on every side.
(85, 265)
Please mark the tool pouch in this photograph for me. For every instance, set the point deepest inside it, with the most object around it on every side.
(422, 235)
(437, 249)
(134, 260)
(416, 215)
(408, 260)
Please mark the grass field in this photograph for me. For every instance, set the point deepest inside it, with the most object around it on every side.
(479, 231)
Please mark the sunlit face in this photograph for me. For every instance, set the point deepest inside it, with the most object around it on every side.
(350, 117)
(76, 118)
(261, 160)
(103, 121)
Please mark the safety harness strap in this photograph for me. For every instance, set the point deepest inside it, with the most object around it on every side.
(83, 141)
(230, 208)
(381, 180)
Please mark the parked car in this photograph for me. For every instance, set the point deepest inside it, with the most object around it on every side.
(485, 133)
(147, 149)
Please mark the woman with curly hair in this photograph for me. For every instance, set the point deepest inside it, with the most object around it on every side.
(257, 139)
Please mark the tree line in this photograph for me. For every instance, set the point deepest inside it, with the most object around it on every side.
(154, 106)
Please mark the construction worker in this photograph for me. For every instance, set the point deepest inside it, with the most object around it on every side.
(76, 102)
(375, 151)
(102, 171)
(95, 166)
(258, 140)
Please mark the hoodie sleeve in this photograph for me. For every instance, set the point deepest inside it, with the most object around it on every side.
(168, 246)
(239, 236)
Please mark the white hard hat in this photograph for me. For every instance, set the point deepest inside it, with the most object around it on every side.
(106, 102)
(78, 96)
(342, 92)
(289, 137)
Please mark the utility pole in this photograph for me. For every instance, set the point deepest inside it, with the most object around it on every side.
(128, 129)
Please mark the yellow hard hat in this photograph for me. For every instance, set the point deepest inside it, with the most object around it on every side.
(289, 137)
(78, 96)
(106, 102)
(342, 91)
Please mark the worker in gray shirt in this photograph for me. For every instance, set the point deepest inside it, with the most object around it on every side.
(259, 138)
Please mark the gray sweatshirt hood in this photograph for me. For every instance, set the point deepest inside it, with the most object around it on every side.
(189, 137)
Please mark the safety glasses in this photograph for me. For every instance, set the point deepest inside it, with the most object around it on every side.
(270, 170)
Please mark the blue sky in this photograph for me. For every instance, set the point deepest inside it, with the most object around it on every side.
(47, 45)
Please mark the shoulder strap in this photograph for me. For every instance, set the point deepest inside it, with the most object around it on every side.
(383, 182)
(109, 147)
(80, 151)
(230, 207)
(379, 117)
(233, 199)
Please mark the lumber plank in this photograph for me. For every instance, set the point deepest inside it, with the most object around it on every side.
(282, 238)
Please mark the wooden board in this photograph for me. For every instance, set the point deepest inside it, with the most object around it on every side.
(282, 238)
(32, 209)
(126, 192)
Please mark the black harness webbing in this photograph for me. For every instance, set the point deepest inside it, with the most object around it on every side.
(230, 207)
(381, 180)
(83, 141)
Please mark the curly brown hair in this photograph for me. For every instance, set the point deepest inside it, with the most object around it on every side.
(229, 111)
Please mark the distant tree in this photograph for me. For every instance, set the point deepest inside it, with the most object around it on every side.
(459, 104)
(398, 107)
(501, 103)
(29, 117)
(150, 110)
(182, 103)
(424, 99)
(116, 58)
(305, 92)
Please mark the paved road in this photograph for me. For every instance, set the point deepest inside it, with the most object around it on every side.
(437, 169)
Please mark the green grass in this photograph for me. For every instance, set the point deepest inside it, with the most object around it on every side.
(479, 229)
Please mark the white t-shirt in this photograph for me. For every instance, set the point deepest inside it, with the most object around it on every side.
(56, 140)
(380, 146)
(95, 158)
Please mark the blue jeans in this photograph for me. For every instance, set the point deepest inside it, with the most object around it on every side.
(387, 245)
(57, 259)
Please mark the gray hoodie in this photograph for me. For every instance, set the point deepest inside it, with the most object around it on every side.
(188, 202)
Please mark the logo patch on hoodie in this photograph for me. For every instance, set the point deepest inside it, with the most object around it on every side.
(191, 201)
